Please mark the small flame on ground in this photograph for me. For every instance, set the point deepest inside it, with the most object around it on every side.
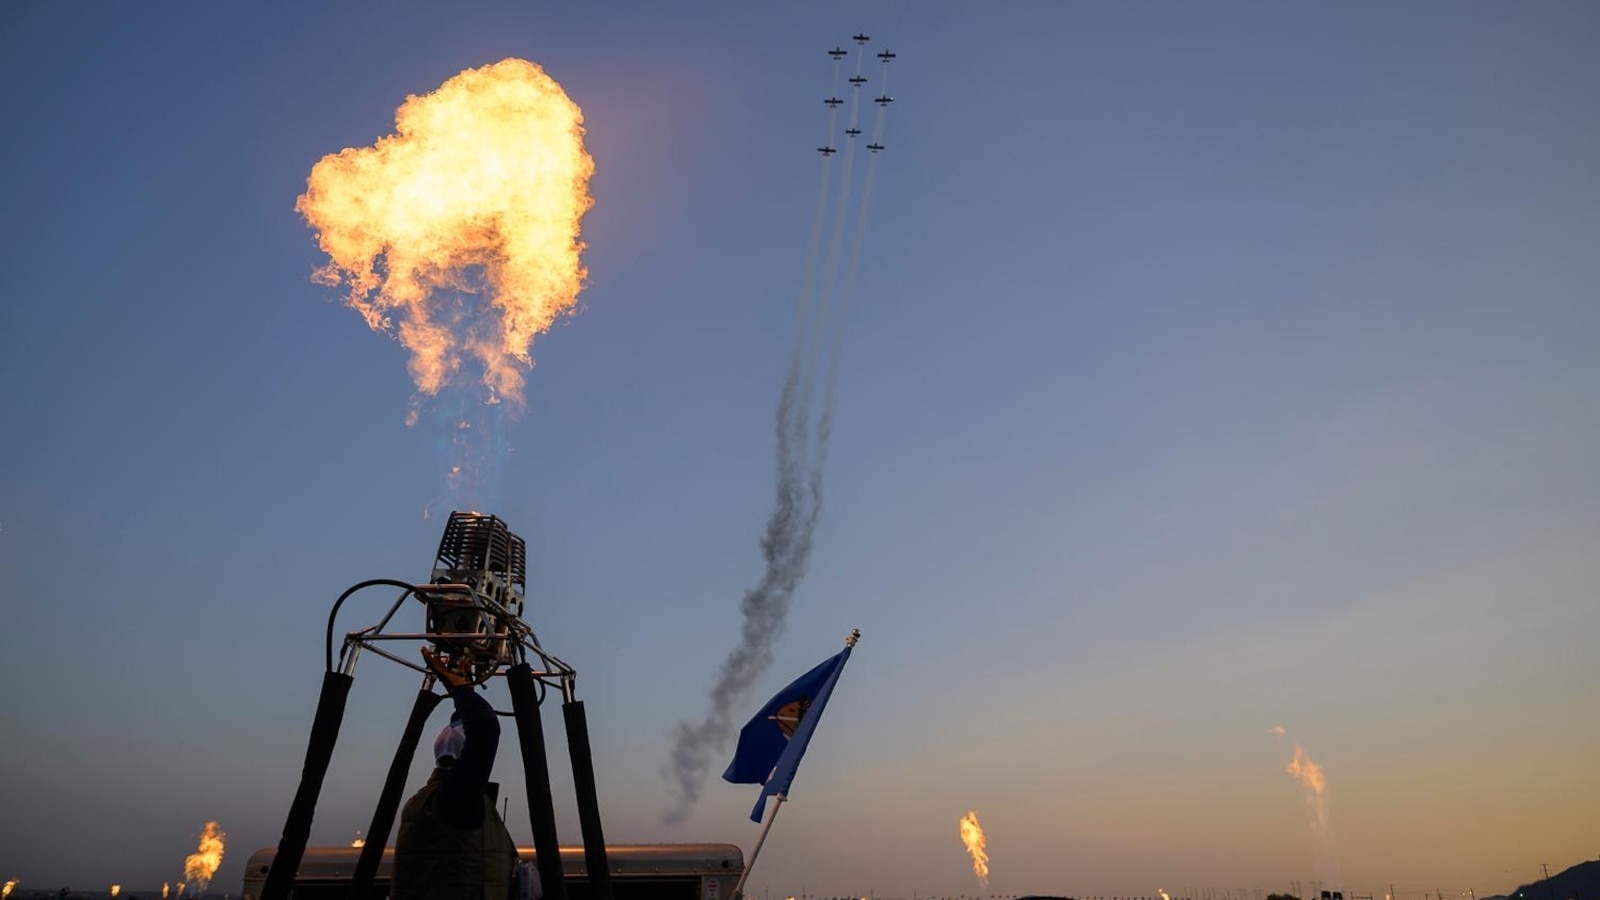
(203, 863)
(359, 841)
(977, 845)
(166, 889)
(116, 889)
(11, 885)
(1164, 894)
(182, 886)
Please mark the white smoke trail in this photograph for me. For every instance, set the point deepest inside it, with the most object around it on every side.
(788, 537)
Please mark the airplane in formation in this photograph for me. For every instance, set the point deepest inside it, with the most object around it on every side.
(861, 39)
(833, 101)
(885, 100)
(886, 56)
(852, 131)
(858, 80)
(826, 151)
(840, 53)
(874, 147)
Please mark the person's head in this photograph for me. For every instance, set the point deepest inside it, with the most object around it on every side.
(447, 746)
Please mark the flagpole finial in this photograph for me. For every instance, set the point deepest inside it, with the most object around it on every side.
(855, 635)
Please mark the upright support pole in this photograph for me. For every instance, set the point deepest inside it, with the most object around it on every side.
(536, 771)
(389, 800)
(594, 839)
(756, 851)
(319, 752)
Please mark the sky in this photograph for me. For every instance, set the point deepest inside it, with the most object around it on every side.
(1211, 368)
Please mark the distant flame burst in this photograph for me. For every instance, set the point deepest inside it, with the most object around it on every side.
(10, 885)
(116, 889)
(480, 189)
(203, 863)
(977, 845)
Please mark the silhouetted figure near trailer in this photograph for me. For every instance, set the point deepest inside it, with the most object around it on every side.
(452, 843)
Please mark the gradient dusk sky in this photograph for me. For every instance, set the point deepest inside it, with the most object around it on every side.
(1212, 368)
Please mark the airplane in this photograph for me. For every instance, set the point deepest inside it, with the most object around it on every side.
(826, 151)
(858, 80)
(852, 131)
(874, 147)
(886, 56)
(861, 39)
(840, 52)
(833, 101)
(885, 100)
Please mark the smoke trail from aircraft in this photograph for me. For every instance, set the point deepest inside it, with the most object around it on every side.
(787, 539)
(830, 271)
(825, 423)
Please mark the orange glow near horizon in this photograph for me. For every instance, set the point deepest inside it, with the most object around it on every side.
(487, 174)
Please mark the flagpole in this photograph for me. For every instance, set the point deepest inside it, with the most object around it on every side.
(756, 851)
(738, 888)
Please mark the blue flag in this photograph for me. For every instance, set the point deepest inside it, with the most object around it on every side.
(771, 744)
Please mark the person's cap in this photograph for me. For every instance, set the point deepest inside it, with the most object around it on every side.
(449, 742)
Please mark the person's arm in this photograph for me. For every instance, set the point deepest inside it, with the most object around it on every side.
(460, 799)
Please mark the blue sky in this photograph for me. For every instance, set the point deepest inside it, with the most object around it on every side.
(1211, 368)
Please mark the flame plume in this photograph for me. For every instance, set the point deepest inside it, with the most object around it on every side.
(10, 885)
(182, 886)
(1316, 785)
(203, 863)
(165, 890)
(116, 889)
(486, 177)
(977, 845)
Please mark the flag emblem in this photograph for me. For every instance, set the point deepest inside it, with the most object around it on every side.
(789, 715)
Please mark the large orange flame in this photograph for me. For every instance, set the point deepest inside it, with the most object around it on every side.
(486, 177)
(977, 845)
(203, 863)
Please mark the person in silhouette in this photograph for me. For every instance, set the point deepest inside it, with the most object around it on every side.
(453, 844)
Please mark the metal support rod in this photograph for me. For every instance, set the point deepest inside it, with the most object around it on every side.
(594, 839)
(756, 851)
(393, 786)
(319, 752)
(536, 772)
